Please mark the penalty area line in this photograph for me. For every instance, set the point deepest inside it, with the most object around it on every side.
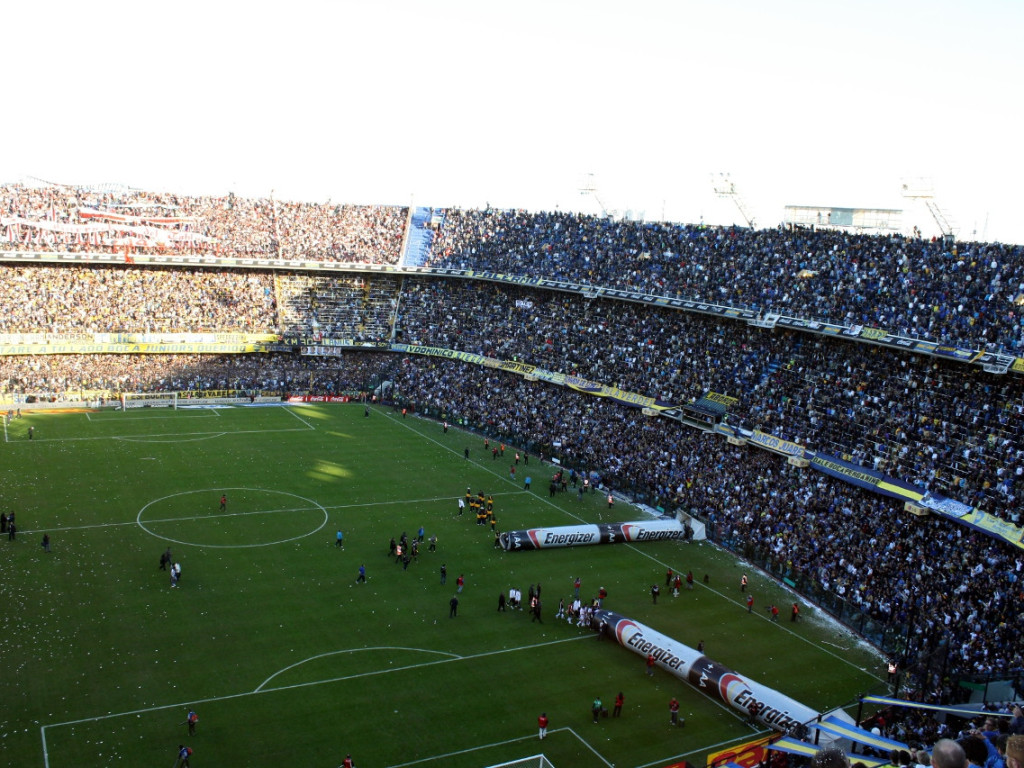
(261, 691)
(311, 683)
(446, 755)
(259, 687)
(375, 672)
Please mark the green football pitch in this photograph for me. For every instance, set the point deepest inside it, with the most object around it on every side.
(288, 660)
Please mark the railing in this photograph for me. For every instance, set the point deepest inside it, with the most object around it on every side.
(884, 633)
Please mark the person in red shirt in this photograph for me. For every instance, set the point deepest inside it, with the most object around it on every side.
(460, 583)
(750, 603)
(542, 724)
(619, 699)
(673, 711)
(650, 665)
(347, 762)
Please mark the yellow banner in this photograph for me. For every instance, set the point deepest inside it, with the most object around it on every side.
(93, 348)
(716, 397)
(776, 443)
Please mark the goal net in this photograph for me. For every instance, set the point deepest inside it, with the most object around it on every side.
(537, 761)
(149, 400)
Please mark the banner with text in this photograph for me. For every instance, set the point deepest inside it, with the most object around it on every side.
(865, 478)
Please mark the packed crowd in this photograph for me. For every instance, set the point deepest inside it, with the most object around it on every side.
(943, 426)
(63, 218)
(966, 294)
(91, 376)
(68, 301)
(353, 306)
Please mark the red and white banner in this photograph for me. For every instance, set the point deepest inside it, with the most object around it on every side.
(104, 234)
(318, 398)
(93, 213)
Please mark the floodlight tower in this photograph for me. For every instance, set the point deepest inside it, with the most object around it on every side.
(589, 187)
(725, 187)
(922, 189)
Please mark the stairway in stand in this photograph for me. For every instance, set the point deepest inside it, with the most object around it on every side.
(421, 237)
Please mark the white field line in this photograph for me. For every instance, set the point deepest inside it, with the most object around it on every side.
(100, 526)
(260, 690)
(532, 737)
(485, 465)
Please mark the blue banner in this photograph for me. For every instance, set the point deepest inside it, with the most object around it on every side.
(865, 478)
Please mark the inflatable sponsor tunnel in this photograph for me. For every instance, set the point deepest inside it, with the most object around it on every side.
(715, 681)
(602, 533)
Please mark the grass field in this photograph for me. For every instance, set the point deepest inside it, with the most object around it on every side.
(287, 660)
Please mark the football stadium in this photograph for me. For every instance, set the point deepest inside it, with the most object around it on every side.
(401, 385)
(424, 480)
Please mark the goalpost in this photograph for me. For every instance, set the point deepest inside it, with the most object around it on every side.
(536, 761)
(149, 400)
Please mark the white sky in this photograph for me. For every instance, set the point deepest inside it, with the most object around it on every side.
(463, 103)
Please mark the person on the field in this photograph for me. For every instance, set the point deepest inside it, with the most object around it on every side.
(673, 711)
